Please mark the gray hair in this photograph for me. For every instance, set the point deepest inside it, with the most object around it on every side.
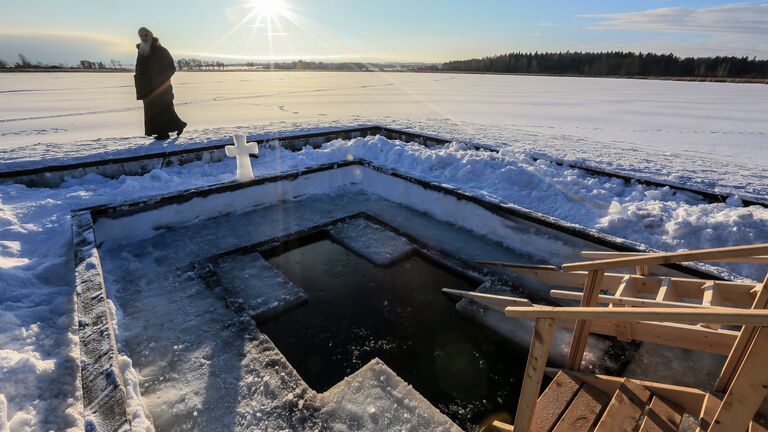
(144, 29)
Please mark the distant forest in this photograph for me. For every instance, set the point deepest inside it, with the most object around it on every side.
(608, 64)
(614, 63)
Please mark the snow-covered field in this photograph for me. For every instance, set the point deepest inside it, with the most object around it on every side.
(705, 135)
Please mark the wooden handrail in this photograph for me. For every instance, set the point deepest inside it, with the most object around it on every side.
(609, 255)
(513, 266)
(670, 258)
(757, 318)
(491, 300)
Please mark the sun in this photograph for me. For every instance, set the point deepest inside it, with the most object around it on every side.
(268, 9)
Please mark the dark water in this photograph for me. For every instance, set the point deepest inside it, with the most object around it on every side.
(357, 311)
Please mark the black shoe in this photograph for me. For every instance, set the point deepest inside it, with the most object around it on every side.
(181, 131)
(162, 137)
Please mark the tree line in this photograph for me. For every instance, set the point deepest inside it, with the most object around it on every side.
(614, 63)
(197, 64)
(23, 62)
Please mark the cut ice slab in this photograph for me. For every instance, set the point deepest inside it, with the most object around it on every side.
(520, 331)
(263, 291)
(373, 242)
(375, 399)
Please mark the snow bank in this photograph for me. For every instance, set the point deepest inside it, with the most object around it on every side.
(658, 217)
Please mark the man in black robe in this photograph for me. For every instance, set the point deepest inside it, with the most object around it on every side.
(154, 69)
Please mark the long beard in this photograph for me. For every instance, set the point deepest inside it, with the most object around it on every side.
(144, 48)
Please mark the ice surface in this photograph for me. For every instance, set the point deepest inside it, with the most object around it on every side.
(38, 351)
(259, 287)
(375, 399)
(374, 242)
(166, 317)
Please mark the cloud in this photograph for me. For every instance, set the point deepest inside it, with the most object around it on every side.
(734, 19)
(730, 29)
(59, 47)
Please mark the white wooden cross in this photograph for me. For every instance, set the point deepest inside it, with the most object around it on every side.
(242, 151)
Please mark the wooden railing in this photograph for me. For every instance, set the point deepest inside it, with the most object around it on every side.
(710, 294)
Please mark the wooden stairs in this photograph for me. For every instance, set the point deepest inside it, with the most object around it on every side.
(728, 318)
(576, 402)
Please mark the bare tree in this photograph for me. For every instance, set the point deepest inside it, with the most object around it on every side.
(23, 61)
(116, 64)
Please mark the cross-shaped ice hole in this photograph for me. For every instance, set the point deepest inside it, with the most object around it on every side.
(242, 151)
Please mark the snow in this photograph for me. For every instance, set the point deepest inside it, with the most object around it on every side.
(708, 135)
(703, 135)
(375, 243)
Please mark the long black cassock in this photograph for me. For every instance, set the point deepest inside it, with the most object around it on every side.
(153, 86)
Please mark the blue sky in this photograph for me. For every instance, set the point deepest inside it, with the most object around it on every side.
(395, 30)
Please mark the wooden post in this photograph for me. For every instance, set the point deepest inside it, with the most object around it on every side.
(534, 372)
(748, 390)
(743, 342)
(581, 331)
(623, 329)
(666, 290)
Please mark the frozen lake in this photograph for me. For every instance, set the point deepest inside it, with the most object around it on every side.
(42, 113)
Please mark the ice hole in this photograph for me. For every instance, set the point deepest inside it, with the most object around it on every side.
(357, 311)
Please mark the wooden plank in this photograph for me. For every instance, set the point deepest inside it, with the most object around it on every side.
(623, 329)
(516, 266)
(584, 411)
(747, 335)
(581, 330)
(624, 411)
(737, 293)
(707, 412)
(662, 416)
(727, 316)
(748, 390)
(623, 300)
(670, 258)
(554, 401)
(606, 255)
(691, 399)
(686, 336)
(642, 270)
(502, 427)
(534, 372)
(709, 298)
(493, 301)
